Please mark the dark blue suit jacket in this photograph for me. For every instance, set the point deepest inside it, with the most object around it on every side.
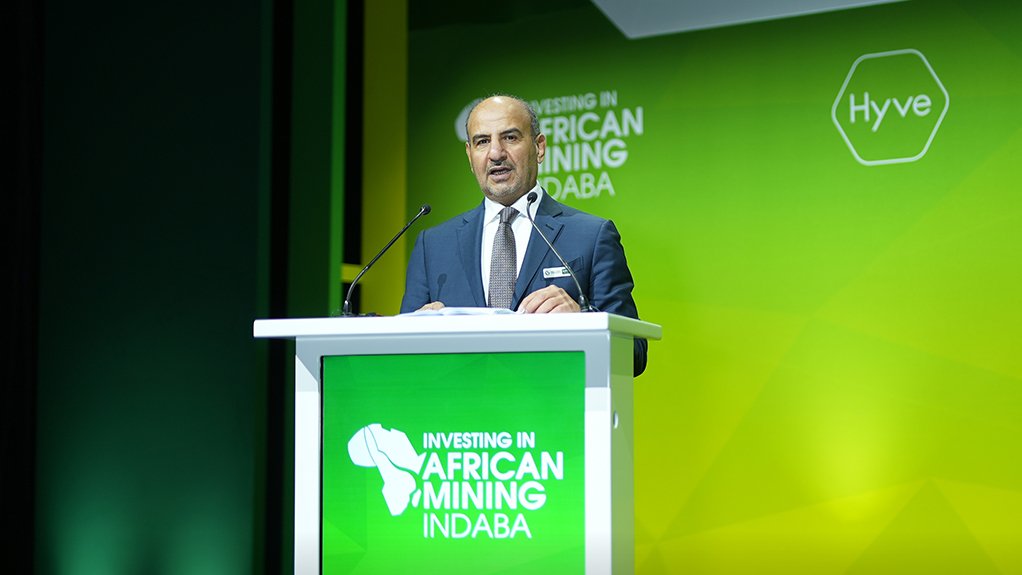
(444, 265)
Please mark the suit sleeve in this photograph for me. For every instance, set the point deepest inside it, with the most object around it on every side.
(611, 284)
(416, 285)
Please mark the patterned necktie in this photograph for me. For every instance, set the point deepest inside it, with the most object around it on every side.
(503, 261)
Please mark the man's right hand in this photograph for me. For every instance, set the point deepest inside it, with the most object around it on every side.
(432, 305)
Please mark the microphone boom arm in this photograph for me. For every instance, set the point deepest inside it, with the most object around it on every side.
(346, 308)
(583, 301)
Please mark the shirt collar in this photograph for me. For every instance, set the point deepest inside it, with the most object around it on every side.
(492, 208)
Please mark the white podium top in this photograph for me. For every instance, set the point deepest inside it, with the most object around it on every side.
(454, 324)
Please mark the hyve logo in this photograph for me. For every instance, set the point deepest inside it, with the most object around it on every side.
(890, 107)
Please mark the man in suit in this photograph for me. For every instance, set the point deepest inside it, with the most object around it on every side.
(490, 257)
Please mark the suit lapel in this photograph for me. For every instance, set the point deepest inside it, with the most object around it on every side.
(537, 251)
(470, 238)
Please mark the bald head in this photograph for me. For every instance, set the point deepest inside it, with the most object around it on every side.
(533, 117)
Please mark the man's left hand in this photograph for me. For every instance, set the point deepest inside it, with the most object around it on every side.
(550, 299)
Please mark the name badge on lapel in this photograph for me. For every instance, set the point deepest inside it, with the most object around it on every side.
(559, 272)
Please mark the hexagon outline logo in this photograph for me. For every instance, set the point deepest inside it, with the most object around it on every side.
(841, 93)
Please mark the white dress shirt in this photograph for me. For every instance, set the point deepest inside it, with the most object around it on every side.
(521, 228)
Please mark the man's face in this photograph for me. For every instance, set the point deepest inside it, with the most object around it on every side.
(502, 150)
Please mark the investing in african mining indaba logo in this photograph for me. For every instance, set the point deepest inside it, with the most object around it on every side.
(466, 485)
(587, 141)
(890, 107)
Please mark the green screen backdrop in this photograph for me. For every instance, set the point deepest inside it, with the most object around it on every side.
(824, 213)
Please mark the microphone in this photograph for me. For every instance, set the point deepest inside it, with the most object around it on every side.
(583, 301)
(346, 308)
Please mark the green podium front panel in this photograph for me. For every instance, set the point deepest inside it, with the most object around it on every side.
(454, 463)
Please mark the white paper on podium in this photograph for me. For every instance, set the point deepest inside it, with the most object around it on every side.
(461, 311)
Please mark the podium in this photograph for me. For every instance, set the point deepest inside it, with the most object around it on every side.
(463, 443)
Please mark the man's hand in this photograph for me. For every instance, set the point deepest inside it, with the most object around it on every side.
(550, 299)
(432, 305)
